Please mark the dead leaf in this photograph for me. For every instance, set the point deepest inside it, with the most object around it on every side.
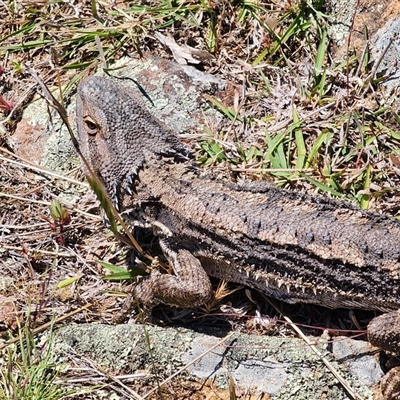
(183, 54)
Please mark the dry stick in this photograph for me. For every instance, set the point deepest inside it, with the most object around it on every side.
(46, 325)
(331, 368)
(12, 196)
(44, 252)
(48, 96)
(28, 165)
(106, 375)
(353, 19)
(378, 63)
(364, 52)
(188, 365)
(24, 227)
(38, 168)
(102, 378)
(286, 122)
(47, 203)
(113, 378)
(128, 389)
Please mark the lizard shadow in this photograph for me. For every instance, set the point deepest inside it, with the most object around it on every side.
(246, 310)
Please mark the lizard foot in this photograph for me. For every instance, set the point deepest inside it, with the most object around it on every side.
(384, 332)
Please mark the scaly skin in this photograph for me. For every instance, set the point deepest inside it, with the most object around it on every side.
(288, 245)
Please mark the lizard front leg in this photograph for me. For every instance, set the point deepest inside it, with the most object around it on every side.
(189, 287)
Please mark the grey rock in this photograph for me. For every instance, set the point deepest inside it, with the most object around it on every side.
(172, 92)
(360, 358)
(267, 376)
(341, 12)
(282, 367)
(386, 49)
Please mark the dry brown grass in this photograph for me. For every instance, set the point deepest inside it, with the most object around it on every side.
(38, 255)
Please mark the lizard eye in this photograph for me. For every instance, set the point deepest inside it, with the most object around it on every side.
(91, 126)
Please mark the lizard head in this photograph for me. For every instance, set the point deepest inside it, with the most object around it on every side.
(117, 135)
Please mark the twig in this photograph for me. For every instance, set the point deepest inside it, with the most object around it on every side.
(331, 368)
(188, 365)
(44, 252)
(47, 203)
(38, 168)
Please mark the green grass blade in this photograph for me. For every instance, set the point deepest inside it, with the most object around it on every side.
(103, 199)
(120, 273)
(68, 281)
(323, 187)
(321, 53)
(323, 137)
(112, 267)
(231, 114)
(365, 198)
(300, 143)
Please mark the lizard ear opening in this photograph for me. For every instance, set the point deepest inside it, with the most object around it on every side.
(91, 126)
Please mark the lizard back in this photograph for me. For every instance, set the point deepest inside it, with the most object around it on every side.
(288, 245)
